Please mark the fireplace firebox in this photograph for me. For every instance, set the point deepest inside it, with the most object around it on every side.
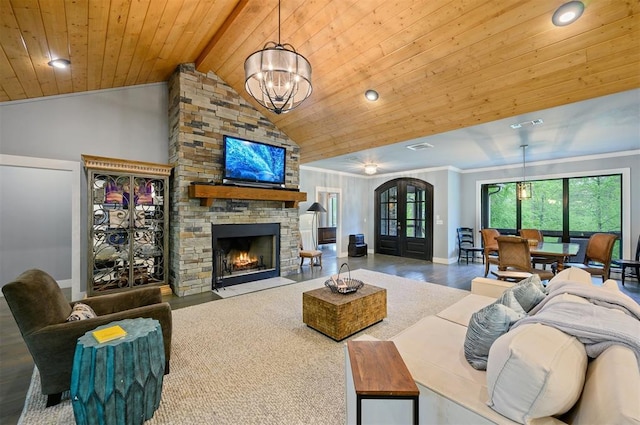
(244, 253)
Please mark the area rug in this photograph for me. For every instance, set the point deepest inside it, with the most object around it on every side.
(251, 360)
(258, 285)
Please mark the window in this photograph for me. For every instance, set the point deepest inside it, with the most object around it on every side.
(567, 209)
(416, 211)
(388, 212)
(544, 209)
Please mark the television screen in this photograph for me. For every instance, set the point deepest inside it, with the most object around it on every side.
(246, 161)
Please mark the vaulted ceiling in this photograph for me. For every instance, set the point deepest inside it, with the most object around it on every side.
(439, 65)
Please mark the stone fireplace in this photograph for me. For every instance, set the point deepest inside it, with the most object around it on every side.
(244, 253)
(202, 109)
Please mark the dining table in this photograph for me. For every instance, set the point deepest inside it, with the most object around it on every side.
(559, 251)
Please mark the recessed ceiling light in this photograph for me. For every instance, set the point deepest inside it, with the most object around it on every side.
(371, 95)
(60, 63)
(527, 123)
(567, 13)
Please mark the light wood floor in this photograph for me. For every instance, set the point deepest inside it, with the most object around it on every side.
(16, 365)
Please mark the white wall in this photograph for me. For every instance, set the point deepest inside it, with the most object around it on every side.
(129, 123)
(456, 196)
(356, 203)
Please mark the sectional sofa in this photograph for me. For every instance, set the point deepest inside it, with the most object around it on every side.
(535, 374)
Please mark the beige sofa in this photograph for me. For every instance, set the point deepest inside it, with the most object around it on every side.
(453, 392)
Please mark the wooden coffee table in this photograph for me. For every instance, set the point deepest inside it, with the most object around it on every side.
(338, 315)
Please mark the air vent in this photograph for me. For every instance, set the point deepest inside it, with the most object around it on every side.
(420, 146)
(527, 123)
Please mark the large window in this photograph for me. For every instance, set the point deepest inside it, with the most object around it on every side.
(568, 209)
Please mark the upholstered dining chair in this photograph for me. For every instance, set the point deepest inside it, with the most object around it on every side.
(535, 234)
(41, 311)
(314, 256)
(515, 260)
(597, 259)
(490, 247)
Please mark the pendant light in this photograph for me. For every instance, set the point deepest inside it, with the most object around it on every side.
(524, 188)
(278, 77)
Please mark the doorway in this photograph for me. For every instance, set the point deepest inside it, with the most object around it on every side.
(404, 218)
(329, 223)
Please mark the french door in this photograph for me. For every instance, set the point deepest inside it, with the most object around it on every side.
(404, 219)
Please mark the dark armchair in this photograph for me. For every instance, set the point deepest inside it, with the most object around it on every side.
(357, 247)
(41, 310)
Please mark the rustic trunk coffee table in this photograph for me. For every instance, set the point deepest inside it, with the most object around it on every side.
(340, 315)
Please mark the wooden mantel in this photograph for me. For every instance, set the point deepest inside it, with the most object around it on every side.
(207, 193)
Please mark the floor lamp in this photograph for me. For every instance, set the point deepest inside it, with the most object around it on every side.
(315, 208)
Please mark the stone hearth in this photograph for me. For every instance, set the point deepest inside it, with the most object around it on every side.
(203, 108)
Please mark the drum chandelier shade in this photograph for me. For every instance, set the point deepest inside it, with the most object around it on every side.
(278, 77)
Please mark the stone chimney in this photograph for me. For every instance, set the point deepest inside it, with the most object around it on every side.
(203, 108)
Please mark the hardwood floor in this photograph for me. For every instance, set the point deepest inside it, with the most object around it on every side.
(16, 365)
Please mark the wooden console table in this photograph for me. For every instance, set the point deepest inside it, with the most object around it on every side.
(207, 193)
(380, 373)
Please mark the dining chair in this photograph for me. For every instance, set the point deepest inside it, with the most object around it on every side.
(466, 244)
(490, 247)
(314, 255)
(535, 234)
(632, 264)
(597, 259)
(514, 260)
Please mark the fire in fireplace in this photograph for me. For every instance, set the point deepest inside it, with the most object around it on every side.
(244, 253)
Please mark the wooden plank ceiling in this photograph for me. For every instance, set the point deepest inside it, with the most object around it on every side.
(438, 65)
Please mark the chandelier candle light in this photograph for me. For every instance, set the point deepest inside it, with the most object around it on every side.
(524, 188)
(277, 76)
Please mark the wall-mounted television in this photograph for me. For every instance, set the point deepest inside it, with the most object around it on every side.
(253, 163)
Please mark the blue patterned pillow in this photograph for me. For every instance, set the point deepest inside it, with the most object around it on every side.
(529, 292)
(81, 312)
(487, 325)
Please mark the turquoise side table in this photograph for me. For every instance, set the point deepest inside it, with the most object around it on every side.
(119, 381)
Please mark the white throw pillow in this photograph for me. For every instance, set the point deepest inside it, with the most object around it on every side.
(573, 274)
(534, 371)
(611, 285)
(611, 393)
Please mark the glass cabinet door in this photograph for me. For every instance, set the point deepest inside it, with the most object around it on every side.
(128, 231)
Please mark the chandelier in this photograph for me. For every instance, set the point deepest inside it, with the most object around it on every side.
(278, 77)
(524, 188)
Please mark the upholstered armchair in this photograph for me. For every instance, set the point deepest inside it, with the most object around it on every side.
(41, 310)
